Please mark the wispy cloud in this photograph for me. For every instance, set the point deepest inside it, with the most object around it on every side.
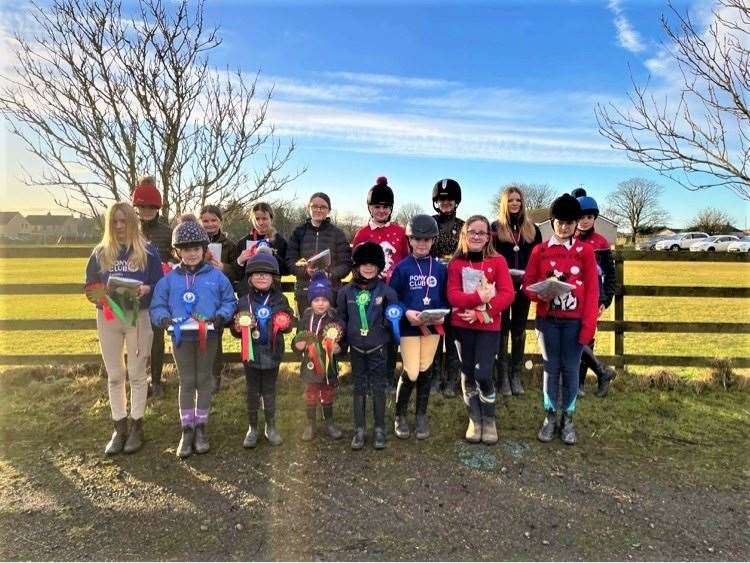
(389, 80)
(627, 36)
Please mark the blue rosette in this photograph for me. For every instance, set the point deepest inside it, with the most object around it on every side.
(263, 314)
(177, 331)
(394, 313)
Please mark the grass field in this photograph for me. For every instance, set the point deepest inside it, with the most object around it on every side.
(54, 270)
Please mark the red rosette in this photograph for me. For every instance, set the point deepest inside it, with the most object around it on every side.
(282, 321)
(96, 292)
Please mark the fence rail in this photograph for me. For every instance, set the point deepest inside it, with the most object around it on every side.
(619, 327)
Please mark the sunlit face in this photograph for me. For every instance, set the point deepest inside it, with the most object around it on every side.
(211, 223)
(420, 246)
(563, 229)
(368, 271)
(191, 255)
(319, 209)
(320, 305)
(514, 202)
(379, 212)
(120, 226)
(261, 280)
(586, 222)
(446, 206)
(147, 212)
(477, 235)
(262, 221)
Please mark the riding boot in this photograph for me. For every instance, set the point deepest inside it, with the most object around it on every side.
(331, 429)
(403, 394)
(549, 427)
(567, 430)
(201, 439)
(358, 441)
(135, 437)
(309, 432)
(185, 447)
(423, 397)
(378, 407)
(474, 429)
(502, 381)
(517, 343)
(604, 374)
(117, 441)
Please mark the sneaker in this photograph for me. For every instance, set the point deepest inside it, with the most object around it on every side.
(358, 441)
(379, 441)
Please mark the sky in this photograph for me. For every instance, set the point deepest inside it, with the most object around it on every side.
(484, 92)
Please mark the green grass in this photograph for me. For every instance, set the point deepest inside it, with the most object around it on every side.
(685, 309)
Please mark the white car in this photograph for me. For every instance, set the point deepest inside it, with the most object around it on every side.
(681, 241)
(742, 245)
(716, 243)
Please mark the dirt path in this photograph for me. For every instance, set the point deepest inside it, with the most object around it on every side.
(443, 499)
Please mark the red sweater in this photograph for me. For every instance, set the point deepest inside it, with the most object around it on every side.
(392, 238)
(496, 271)
(575, 265)
(597, 241)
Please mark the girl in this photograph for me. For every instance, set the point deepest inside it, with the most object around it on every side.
(195, 291)
(392, 237)
(318, 337)
(263, 317)
(313, 236)
(419, 282)
(362, 306)
(211, 218)
(476, 320)
(262, 233)
(565, 323)
(606, 269)
(513, 236)
(123, 252)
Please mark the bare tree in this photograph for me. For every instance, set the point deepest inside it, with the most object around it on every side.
(287, 215)
(712, 221)
(406, 212)
(701, 138)
(348, 222)
(101, 97)
(635, 203)
(535, 196)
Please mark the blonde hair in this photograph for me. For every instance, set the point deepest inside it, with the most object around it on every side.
(462, 250)
(109, 248)
(528, 232)
(263, 207)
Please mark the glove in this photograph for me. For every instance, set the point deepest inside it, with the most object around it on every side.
(165, 323)
(219, 322)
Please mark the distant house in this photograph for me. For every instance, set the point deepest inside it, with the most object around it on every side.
(51, 228)
(666, 231)
(13, 225)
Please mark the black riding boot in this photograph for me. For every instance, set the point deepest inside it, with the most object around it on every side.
(502, 380)
(378, 407)
(358, 410)
(517, 343)
(423, 397)
(403, 394)
(604, 374)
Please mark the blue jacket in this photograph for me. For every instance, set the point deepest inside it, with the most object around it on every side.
(411, 286)
(378, 334)
(150, 276)
(267, 354)
(213, 291)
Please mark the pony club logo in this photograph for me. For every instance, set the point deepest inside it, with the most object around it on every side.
(431, 281)
(379, 300)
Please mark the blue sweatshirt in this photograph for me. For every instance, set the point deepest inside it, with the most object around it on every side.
(212, 289)
(378, 334)
(150, 276)
(412, 285)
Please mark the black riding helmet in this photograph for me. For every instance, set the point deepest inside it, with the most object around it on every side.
(381, 194)
(422, 226)
(445, 189)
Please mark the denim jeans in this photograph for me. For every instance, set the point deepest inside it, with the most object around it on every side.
(558, 343)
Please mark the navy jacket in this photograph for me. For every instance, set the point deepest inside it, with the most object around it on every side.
(411, 286)
(381, 296)
(150, 276)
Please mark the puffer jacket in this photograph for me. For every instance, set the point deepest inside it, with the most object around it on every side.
(307, 241)
(158, 232)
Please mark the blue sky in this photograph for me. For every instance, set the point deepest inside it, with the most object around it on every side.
(484, 92)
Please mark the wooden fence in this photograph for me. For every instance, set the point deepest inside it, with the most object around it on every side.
(619, 327)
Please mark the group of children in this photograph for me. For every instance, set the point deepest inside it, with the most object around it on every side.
(394, 299)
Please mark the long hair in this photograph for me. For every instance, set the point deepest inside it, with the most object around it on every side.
(462, 250)
(265, 208)
(527, 230)
(108, 249)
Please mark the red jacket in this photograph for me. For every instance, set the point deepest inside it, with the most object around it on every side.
(597, 241)
(496, 271)
(575, 265)
(392, 238)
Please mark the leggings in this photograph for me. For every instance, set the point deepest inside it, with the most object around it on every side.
(194, 368)
(558, 343)
(477, 350)
(261, 383)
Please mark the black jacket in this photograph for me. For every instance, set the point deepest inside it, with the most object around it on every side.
(159, 233)
(515, 260)
(307, 241)
(277, 244)
(449, 229)
(381, 295)
(228, 256)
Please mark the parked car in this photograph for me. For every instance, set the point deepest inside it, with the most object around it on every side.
(742, 245)
(649, 244)
(681, 241)
(716, 243)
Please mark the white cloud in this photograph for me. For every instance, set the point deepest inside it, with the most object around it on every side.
(390, 80)
(627, 37)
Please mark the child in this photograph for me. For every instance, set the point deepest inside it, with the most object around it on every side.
(262, 233)
(124, 252)
(362, 308)
(317, 339)
(476, 321)
(419, 282)
(606, 270)
(446, 197)
(264, 316)
(565, 323)
(193, 290)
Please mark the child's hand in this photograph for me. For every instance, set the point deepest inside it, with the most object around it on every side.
(300, 346)
(244, 256)
(144, 290)
(413, 317)
(336, 349)
(165, 322)
(468, 315)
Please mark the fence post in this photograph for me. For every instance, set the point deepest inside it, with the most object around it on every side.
(619, 332)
